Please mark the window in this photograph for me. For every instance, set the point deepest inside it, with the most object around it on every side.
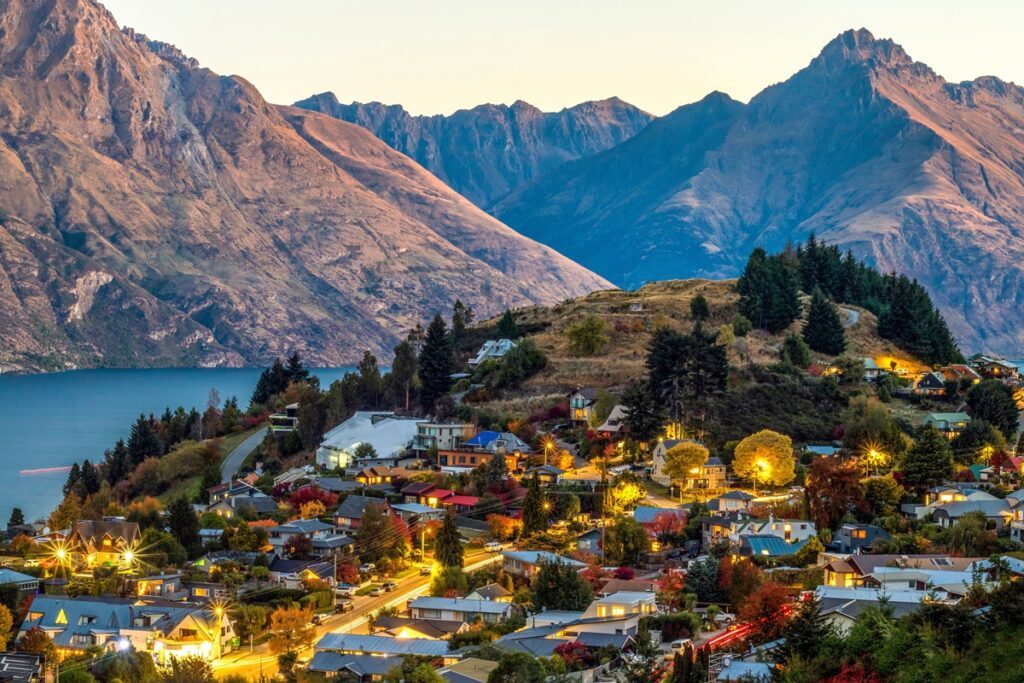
(61, 618)
(201, 592)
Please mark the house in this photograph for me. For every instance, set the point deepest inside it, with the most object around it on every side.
(949, 424)
(528, 562)
(736, 669)
(589, 541)
(460, 503)
(493, 592)
(444, 436)
(855, 538)
(21, 667)
(767, 545)
(363, 668)
(931, 384)
(388, 434)
(459, 609)
(255, 500)
(492, 349)
(716, 528)
(293, 573)
(431, 629)
(650, 516)
(1016, 499)
(710, 475)
(960, 373)
(382, 646)
(479, 450)
(468, 670)
(614, 427)
(326, 539)
(210, 560)
(851, 571)
(23, 583)
(292, 475)
(101, 543)
(373, 476)
(162, 629)
(993, 368)
(547, 475)
(843, 606)
(210, 536)
(414, 511)
(414, 491)
(612, 586)
(872, 371)
(230, 489)
(625, 603)
(789, 530)
(162, 586)
(349, 514)
(731, 501)
(581, 406)
(998, 513)
(283, 423)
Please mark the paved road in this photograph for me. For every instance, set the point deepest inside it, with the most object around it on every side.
(260, 660)
(852, 316)
(229, 468)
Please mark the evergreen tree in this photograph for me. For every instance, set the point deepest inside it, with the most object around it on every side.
(993, 401)
(370, 384)
(143, 441)
(90, 478)
(644, 417)
(261, 392)
(535, 519)
(557, 586)
(795, 351)
(211, 478)
(184, 525)
(507, 328)
(74, 476)
(644, 663)
(929, 461)
(462, 318)
(699, 309)
(824, 331)
(403, 371)
(496, 470)
(295, 371)
(435, 364)
(448, 549)
(17, 517)
(807, 634)
(118, 462)
(768, 291)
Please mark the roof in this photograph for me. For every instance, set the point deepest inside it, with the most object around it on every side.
(596, 640)
(821, 450)
(416, 509)
(947, 417)
(491, 591)
(354, 506)
(647, 515)
(458, 499)
(487, 439)
(435, 628)
(460, 605)
(538, 556)
(416, 488)
(613, 586)
(363, 665)
(737, 495)
(10, 576)
(303, 526)
(991, 508)
(348, 642)
(389, 435)
(20, 667)
(538, 647)
(739, 670)
(336, 485)
(546, 469)
(769, 546)
(468, 670)
(91, 530)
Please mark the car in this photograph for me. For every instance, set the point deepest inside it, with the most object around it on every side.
(680, 645)
(425, 570)
(389, 586)
(376, 591)
(346, 590)
(492, 547)
(367, 568)
(344, 605)
(318, 619)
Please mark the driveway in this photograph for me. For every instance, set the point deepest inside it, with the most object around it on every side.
(852, 316)
(229, 468)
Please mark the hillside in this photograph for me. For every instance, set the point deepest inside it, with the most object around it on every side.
(866, 147)
(665, 303)
(155, 213)
(492, 149)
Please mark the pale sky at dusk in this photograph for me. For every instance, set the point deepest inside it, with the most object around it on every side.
(441, 55)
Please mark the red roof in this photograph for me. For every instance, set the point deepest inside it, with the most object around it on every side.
(457, 499)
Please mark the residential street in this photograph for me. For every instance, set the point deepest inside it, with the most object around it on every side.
(261, 660)
(233, 462)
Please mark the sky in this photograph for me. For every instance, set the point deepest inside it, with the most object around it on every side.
(436, 56)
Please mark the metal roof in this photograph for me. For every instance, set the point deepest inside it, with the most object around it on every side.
(348, 642)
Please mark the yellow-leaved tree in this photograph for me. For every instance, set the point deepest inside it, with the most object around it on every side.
(682, 459)
(765, 458)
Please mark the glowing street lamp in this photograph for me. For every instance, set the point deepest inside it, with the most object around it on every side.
(762, 472)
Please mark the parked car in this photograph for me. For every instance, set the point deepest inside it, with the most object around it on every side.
(346, 590)
(680, 645)
(344, 605)
(425, 570)
(367, 568)
(389, 586)
(318, 619)
(376, 591)
(492, 547)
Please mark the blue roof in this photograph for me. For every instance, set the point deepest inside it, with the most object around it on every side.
(483, 438)
(347, 642)
(766, 545)
(821, 450)
(647, 515)
(538, 556)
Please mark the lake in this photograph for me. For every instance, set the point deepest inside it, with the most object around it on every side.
(53, 420)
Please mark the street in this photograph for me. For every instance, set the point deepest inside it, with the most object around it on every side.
(260, 659)
(233, 462)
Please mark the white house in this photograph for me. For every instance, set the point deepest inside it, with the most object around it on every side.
(493, 349)
(459, 609)
(389, 435)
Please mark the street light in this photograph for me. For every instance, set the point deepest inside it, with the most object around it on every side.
(763, 471)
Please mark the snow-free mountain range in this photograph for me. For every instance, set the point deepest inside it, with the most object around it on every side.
(153, 212)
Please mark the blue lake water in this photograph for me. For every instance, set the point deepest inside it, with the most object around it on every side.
(55, 419)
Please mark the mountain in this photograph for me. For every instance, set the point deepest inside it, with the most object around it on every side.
(866, 147)
(490, 150)
(153, 213)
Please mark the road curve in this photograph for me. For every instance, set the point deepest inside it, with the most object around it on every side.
(229, 468)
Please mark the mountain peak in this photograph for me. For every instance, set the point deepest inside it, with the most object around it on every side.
(860, 45)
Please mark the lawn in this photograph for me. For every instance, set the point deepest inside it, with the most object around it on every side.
(230, 443)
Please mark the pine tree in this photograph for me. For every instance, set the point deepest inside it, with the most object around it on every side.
(462, 318)
(118, 462)
(370, 384)
(435, 364)
(17, 517)
(403, 371)
(807, 633)
(557, 586)
(74, 476)
(929, 461)
(211, 478)
(507, 328)
(644, 417)
(448, 549)
(184, 525)
(824, 331)
(90, 478)
(143, 441)
(699, 309)
(496, 471)
(535, 518)
(261, 393)
(295, 371)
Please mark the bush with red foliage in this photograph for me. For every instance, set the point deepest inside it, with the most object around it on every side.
(559, 411)
(347, 573)
(250, 421)
(739, 579)
(767, 611)
(624, 573)
(853, 673)
(575, 655)
(301, 496)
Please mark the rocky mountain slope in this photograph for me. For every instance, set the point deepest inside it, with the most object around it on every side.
(153, 212)
(866, 147)
(490, 150)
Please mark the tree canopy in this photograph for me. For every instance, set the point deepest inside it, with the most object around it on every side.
(765, 457)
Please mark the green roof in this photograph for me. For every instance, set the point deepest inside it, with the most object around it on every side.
(948, 417)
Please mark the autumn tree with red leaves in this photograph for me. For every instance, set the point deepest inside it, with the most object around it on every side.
(767, 611)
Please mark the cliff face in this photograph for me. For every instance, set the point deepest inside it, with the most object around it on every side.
(866, 147)
(153, 212)
(490, 150)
